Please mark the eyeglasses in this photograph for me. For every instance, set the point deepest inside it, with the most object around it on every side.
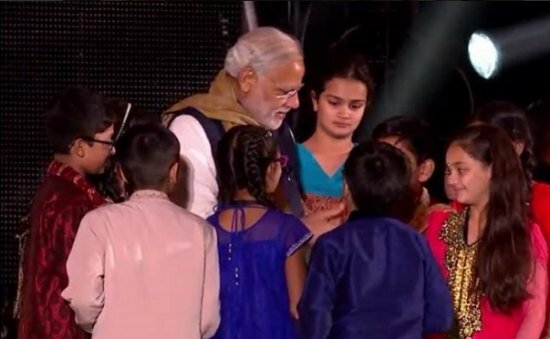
(109, 143)
(288, 94)
(285, 95)
(283, 160)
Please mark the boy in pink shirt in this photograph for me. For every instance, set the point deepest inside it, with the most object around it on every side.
(145, 268)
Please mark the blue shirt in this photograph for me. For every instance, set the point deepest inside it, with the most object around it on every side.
(373, 278)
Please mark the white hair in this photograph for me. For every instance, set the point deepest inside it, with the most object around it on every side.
(261, 49)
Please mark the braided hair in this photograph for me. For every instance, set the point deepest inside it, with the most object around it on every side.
(243, 157)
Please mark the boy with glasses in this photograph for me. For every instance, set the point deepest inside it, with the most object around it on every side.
(80, 132)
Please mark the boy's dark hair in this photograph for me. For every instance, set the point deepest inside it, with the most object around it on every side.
(78, 113)
(243, 156)
(414, 133)
(146, 153)
(180, 194)
(379, 180)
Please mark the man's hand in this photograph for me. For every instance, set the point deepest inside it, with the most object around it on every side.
(323, 221)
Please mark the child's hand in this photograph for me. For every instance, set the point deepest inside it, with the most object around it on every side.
(323, 221)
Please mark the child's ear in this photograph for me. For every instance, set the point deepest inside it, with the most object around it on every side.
(77, 148)
(425, 170)
(519, 147)
(348, 200)
(173, 176)
(121, 180)
(271, 181)
(120, 174)
(314, 100)
(346, 188)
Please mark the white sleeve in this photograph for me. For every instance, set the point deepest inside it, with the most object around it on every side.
(195, 149)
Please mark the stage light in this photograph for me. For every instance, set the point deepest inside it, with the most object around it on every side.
(491, 52)
(484, 55)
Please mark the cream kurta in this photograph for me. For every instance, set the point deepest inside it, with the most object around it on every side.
(144, 268)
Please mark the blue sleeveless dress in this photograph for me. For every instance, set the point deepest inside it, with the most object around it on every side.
(253, 289)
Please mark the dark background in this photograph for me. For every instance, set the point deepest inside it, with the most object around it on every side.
(152, 53)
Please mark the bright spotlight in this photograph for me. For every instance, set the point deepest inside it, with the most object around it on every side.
(484, 55)
(492, 52)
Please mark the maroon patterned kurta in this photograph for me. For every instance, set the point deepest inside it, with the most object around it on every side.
(58, 206)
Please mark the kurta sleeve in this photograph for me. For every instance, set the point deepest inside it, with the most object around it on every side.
(65, 227)
(316, 304)
(85, 269)
(55, 243)
(535, 306)
(210, 312)
(294, 234)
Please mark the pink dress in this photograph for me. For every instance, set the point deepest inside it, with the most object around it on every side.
(475, 319)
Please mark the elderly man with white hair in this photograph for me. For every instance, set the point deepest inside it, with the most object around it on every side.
(258, 86)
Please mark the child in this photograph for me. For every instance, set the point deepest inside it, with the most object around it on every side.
(415, 139)
(80, 132)
(513, 121)
(145, 268)
(339, 95)
(374, 276)
(490, 251)
(262, 269)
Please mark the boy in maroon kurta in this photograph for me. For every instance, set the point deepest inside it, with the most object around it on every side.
(80, 132)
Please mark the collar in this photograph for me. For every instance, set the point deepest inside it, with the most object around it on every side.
(66, 172)
(148, 194)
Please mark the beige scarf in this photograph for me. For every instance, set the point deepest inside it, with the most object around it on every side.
(219, 103)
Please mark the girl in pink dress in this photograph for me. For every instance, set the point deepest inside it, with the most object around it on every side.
(513, 121)
(493, 257)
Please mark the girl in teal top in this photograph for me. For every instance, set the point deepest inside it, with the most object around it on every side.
(339, 96)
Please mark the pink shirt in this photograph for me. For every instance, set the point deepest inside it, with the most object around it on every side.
(145, 268)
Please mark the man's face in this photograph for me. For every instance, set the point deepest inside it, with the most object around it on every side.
(274, 93)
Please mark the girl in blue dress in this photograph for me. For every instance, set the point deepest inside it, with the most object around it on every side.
(262, 270)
